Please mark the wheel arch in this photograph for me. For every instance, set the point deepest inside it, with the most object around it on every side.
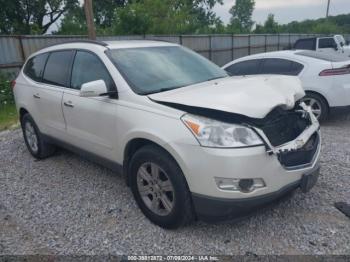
(135, 144)
(319, 94)
(22, 111)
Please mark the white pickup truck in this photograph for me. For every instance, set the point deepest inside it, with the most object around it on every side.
(332, 44)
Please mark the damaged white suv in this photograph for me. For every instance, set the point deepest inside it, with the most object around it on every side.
(192, 141)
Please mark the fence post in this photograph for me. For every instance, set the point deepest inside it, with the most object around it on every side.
(249, 45)
(21, 49)
(210, 48)
(180, 39)
(265, 43)
(278, 44)
(233, 47)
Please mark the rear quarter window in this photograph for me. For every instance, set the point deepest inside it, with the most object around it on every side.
(35, 66)
(281, 67)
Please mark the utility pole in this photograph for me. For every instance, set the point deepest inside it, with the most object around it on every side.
(329, 1)
(90, 19)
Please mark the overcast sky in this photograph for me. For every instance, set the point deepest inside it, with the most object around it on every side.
(288, 10)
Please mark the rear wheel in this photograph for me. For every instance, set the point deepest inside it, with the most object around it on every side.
(159, 188)
(318, 105)
(34, 140)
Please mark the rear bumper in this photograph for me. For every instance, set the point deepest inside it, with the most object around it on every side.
(212, 209)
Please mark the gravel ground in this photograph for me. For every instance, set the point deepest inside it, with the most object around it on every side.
(67, 205)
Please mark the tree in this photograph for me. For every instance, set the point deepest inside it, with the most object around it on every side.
(270, 26)
(166, 17)
(28, 17)
(241, 19)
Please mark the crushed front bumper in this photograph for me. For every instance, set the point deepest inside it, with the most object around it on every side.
(211, 209)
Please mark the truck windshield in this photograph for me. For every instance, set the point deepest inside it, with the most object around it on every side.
(156, 69)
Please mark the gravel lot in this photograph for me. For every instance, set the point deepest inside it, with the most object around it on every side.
(67, 205)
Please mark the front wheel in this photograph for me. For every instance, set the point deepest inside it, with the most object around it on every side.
(159, 188)
(318, 105)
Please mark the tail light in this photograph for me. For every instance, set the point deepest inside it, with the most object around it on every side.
(336, 71)
(12, 84)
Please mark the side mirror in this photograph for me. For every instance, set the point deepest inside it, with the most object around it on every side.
(93, 89)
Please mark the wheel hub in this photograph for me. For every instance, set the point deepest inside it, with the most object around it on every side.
(155, 188)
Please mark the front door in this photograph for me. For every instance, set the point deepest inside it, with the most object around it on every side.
(91, 122)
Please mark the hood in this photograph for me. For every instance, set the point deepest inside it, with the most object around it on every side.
(252, 96)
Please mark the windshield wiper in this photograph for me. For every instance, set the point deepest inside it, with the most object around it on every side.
(214, 78)
(163, 90)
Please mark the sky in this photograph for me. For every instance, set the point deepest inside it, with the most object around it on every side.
(286, 11)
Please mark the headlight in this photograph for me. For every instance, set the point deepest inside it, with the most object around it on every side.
(213, 133)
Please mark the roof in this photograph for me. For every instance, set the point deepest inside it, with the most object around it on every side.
(323, 56)
(117, 44)
(136, 43)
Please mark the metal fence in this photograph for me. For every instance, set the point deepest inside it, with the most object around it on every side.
(219, 48)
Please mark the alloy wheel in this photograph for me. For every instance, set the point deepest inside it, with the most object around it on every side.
(31, 137)
(315, 105)
(155, 188)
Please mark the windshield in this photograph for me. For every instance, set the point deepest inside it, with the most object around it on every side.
(156, 69)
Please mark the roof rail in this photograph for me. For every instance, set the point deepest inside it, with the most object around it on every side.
(83, 41)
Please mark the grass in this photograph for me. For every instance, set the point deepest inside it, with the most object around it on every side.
(8, 117)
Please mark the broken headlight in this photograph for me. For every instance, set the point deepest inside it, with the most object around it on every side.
(213, 133)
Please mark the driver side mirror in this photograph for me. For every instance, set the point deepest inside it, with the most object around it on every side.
(93, 89)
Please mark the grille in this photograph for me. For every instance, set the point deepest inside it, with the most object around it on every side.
(283, 126)
(302, 156)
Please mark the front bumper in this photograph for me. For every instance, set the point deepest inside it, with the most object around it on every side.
(212, 209)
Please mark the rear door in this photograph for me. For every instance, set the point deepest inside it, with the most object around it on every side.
(48, 94)
(91, 122)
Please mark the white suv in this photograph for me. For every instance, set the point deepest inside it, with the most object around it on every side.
(192, 141)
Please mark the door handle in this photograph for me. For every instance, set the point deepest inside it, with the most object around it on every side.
(36, 96)
(68, 104)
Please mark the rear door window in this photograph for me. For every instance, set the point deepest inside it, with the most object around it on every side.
(88, 67)
(35, 66)
(250, 67)
(280, 67)
(306, 44)
(57, 69)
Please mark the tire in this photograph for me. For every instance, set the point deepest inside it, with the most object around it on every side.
(177, 210)
(34, 140)
(317, 102)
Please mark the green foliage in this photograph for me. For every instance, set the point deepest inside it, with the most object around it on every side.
(6, 94)
(8, 117)
(31, 17)
(270, 26)
(146, 17)
(8, 113)
(241, 19)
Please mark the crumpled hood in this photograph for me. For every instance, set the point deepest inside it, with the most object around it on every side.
(252, 96)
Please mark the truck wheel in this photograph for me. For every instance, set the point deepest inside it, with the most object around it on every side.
(159, 188)
(34, 139)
